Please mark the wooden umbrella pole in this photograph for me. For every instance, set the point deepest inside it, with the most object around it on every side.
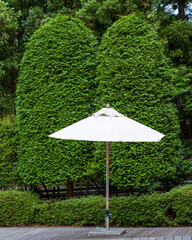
(107, 187)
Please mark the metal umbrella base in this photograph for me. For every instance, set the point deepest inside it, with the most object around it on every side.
(103, 231)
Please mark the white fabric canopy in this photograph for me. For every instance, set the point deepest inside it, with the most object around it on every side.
(108, 125)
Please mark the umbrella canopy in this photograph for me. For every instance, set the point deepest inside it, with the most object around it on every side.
(108, 125)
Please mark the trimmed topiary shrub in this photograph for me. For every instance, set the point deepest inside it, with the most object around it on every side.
(55, 89)
(16, 207)
(134, 77)
(179, 205)
(9, 142)
(167, 209)
(82, 211)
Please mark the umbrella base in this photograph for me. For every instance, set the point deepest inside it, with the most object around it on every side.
(102, 231)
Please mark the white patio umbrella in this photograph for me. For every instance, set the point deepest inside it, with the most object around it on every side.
(108, 125)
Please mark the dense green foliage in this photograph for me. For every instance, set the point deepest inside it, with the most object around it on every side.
(16, 207)
(97, 15)
(134, 77)
(101, 14)
(55, 89)
(9, 142)
(183, 83)
(20, 19)
(8, 28)
(167, 209)
(8, 58)
(178, 35)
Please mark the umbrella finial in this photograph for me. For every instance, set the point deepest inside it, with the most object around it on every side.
(108, 106)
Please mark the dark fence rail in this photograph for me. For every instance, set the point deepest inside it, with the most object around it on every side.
(83, 191)
(61, 192)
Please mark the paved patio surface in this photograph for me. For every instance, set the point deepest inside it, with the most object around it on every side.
(78, 233)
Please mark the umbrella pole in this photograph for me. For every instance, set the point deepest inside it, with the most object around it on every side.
(107, 187)
(106, 231)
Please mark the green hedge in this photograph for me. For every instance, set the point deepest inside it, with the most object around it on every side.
(167, 209)
(16, 208)
(9, 142)
(134, 76)
(55, 89)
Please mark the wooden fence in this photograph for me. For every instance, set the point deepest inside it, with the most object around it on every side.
(61, 192)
